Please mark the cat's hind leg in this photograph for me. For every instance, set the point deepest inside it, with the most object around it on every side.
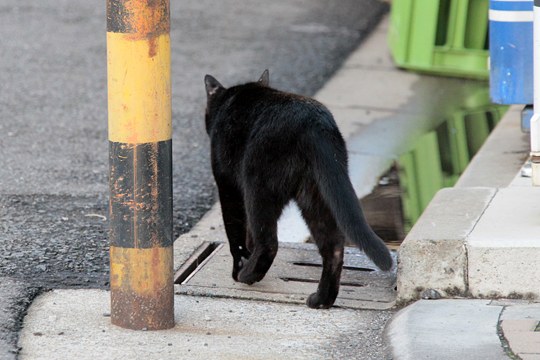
(330, 241)
(234, 218)
(263, 209)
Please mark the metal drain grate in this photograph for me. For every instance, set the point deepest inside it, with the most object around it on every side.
(345, 267)
(196, 261)
(293, 276)
(342, 283)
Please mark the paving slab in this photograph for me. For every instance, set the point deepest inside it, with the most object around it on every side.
(67, 324)
(529, 356)
(521, 310)
(520, 325)
(526, 325)
(446, 330)
(522, 337)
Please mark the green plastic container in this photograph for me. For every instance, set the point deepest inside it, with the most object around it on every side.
(444, 37)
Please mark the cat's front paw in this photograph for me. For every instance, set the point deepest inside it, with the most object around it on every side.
(248, 277)
(314, 301)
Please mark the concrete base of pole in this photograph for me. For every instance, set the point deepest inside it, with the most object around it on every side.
(535, 173)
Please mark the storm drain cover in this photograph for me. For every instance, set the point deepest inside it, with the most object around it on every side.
(292, 278)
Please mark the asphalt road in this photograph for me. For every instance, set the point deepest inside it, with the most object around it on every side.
(53, 119)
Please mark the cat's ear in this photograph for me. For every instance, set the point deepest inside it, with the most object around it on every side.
(212, 85)
(265, 78)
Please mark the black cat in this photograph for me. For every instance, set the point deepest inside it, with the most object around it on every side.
(269, 147)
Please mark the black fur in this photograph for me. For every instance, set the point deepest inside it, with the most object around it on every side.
(269, 147)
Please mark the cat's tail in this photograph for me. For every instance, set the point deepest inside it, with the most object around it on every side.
(333, 181)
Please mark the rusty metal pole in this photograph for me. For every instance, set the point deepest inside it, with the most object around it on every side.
(140, 164)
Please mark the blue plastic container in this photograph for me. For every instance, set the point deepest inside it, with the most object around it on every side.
(511, 51)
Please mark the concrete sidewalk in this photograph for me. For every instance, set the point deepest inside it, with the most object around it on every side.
(372, 101)
(74, 324)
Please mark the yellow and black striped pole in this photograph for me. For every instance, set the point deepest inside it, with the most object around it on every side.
(140, 164)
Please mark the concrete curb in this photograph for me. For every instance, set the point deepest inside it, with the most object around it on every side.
(451, 248)
(434, 253)
(503, 257)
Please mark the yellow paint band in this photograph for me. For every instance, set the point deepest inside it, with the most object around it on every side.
(139, 88)
(146, 272)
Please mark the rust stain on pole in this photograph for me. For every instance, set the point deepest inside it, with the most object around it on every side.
(143, 297)
(140, 20)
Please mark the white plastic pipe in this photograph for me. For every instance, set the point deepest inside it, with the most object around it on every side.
(535, 120)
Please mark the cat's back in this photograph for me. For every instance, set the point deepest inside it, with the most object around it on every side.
(265, 107)
(259, 121)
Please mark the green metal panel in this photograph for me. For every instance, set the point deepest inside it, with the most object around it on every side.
(458, 149)
(423, 23)
(440, 36)
(477, 25)
(454, 61)
(421, 176)
(477, 129)
(399, 29)
(428, 168)
(408, 180)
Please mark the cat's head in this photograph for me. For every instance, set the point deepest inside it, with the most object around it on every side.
(213, 87)
(214, 91)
